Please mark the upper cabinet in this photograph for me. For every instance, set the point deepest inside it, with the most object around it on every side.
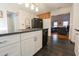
(44, 15)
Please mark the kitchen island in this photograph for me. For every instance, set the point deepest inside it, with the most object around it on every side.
(23, 42)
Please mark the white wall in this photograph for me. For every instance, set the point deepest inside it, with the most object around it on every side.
(61, 11)
(23, 14)
(75, 20)
(47, 25)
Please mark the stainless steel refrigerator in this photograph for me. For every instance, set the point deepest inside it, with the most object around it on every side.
(37, 23)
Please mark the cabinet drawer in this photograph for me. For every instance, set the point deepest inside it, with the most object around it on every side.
(5, 40)
(10, 50)
(38, 33)
(25, 36)
(30, 34)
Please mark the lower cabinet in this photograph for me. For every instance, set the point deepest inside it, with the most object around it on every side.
(31, 45)
(27, 47)
(10, 50)
(24, 44)
(38, 42)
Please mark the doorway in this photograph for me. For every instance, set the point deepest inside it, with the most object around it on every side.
(60, 26)
(12, 20)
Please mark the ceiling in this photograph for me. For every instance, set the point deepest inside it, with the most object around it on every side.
(44, 7)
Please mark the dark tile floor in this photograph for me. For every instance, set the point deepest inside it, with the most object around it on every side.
(57, 47)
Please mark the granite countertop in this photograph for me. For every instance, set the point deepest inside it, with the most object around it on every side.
(3, 33)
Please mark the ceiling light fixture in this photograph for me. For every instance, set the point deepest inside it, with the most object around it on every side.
(27, 5)
(20, 3)
(36, 9)
(32, 7)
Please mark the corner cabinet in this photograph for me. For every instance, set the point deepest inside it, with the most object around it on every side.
(31, 43)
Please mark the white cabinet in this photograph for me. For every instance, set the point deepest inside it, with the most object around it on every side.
(27, 47)
(38, 41)
(10, 50)
(10, 45)
(25, 44)
(31, 43)
(10, 39)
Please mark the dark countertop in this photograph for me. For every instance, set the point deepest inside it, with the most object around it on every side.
(3, 33)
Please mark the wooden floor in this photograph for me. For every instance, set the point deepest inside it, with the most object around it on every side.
(58, 45)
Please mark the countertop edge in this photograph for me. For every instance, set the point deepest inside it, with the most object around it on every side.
(12, 33)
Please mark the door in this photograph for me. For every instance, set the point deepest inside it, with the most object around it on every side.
(27, 47)
(10, 22)
(13, 22)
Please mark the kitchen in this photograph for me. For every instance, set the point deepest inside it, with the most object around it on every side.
(16, 30)
(19, 37)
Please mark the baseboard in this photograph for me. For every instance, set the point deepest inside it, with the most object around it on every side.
(38, 51)
(72, 42)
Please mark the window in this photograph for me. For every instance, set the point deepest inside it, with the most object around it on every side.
(55, 24)
(65, 23)
(3, 25)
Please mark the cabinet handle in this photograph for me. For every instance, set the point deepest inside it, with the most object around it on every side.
(3, 42)
(76, 33)
(6, 54)
(35, 39)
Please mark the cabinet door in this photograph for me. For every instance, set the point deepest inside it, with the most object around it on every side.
(38, 41)
(10, 50)
(27, 47)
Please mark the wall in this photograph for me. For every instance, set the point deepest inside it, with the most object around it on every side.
(23, 14)
(47, 24)
(60, 18)
(75, 20)
(61, 11)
